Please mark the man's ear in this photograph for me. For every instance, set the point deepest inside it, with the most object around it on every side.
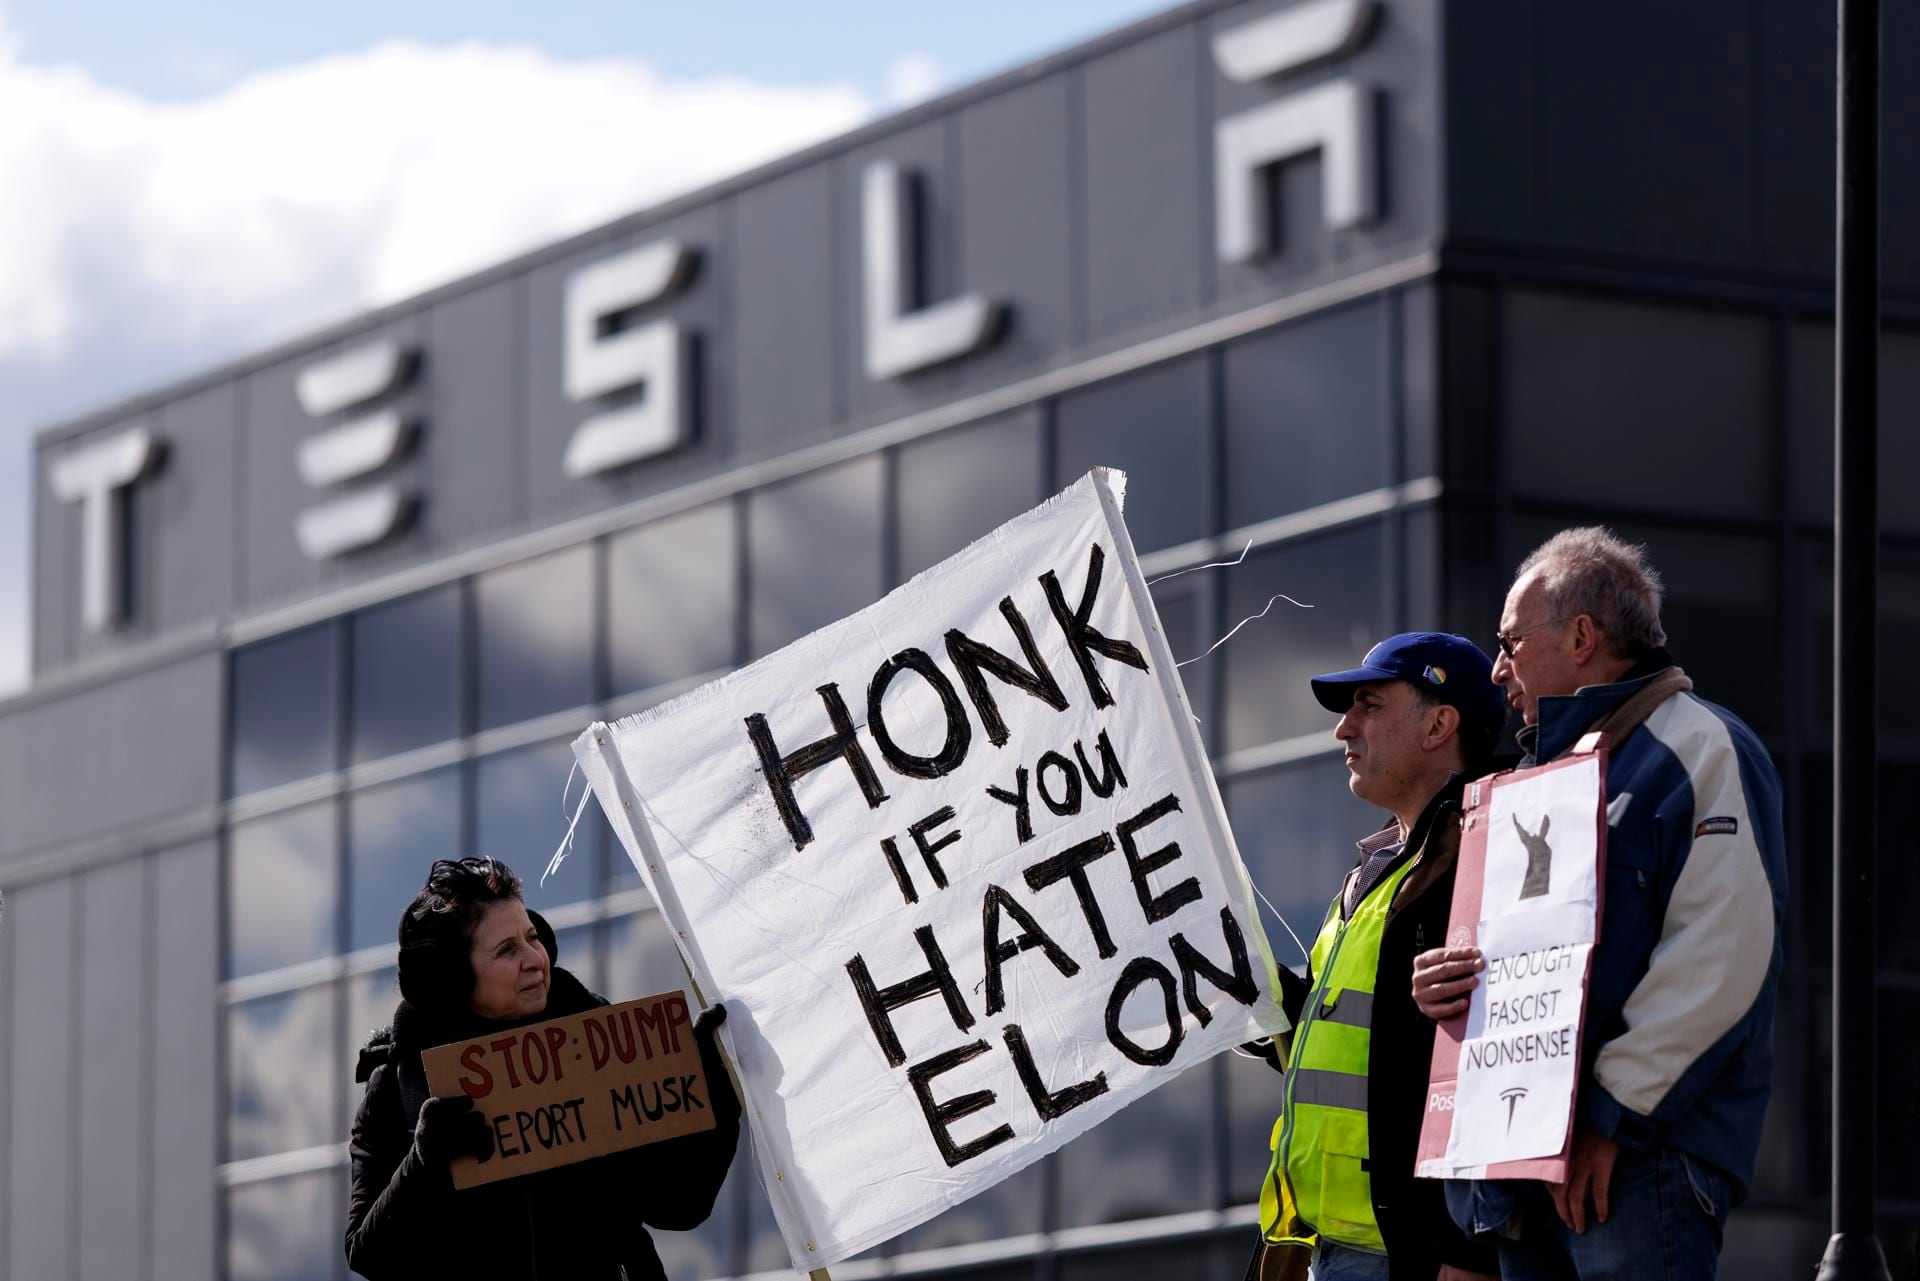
(1587, 639)
(1443, 727)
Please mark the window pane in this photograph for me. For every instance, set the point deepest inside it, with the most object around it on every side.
(1296, 828)
(281, 1059)
(408, 662)
(1268, 664)
(1156, 426)
(518, 819)
(574, 947)
(394, 833)
(1307, 413)
(370, 1002)
(536, 637)
(285, 709)
(1898, 601)
(672, 597)
(815, 552)
(286, 1230)
(1154, 1157)
(1810, 426)
(283, 888)
(641, 958)
(960, 484)
(1696, 400)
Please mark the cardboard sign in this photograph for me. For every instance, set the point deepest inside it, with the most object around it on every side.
(958, 868)
(577, 1087)
(1506, 1074)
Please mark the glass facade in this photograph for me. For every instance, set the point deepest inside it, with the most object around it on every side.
(438, 724)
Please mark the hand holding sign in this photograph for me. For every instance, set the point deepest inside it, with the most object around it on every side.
(450, 1128)
(1443, 980)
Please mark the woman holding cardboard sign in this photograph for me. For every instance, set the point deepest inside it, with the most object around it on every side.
(474, 961)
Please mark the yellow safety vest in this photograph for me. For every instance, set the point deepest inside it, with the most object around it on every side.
(1318, 1180)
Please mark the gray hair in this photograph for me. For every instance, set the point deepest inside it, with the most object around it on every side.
(1591, 571)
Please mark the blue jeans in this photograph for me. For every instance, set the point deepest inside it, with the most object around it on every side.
(1339, 1263)
(1665, 1213)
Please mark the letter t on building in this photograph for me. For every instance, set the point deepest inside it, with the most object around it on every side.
(94, 475)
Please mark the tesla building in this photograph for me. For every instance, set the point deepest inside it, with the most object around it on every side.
(1388, 289)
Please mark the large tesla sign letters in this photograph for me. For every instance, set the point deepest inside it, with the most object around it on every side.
(901, 338)
(365, 440)
(95, 476)
(1335, 119)
(651, 360)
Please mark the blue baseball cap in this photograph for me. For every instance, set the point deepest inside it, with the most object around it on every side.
(1451, 668)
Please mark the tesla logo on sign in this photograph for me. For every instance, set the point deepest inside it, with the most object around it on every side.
(362, 440)
(1335, 119)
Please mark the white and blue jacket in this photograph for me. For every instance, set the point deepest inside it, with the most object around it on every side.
(1679, 1034)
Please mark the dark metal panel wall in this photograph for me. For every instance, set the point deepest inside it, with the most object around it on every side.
(1145, 130)
(182, 522)
(43, 920)
(474, 434)
(791, 278)
(1698, 137)
(183, 1146)
(56, 574)
(115, 1044)
(1015, 222)
(107, 758)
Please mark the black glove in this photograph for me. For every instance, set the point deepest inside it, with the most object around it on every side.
(449, 1128)
(1294, 991)
(719, 1080)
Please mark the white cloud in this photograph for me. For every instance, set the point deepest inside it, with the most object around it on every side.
(140, 240)
(912, 77)
(347, 181)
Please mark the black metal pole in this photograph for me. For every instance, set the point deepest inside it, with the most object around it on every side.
(1854, 1250)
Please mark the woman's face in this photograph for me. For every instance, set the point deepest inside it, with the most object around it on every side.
(510, 967)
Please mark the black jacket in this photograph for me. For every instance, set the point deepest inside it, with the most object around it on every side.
(1419, 1233)
(405, 1221)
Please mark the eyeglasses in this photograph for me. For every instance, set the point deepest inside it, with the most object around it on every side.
(1509, 643)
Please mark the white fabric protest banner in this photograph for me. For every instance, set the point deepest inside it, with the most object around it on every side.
(959, 869)
(1527, 893)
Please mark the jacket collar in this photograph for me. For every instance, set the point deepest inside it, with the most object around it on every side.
(1374, 842)
(1565, 717)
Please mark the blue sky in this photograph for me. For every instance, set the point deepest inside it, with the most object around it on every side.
(189, 47)
(207, 179)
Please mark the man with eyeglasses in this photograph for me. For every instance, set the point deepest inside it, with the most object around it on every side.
(1678, 1047)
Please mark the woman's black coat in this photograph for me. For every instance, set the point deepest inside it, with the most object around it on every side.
(578, 1222)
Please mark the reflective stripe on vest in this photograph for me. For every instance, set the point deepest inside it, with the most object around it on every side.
(1318, 1182)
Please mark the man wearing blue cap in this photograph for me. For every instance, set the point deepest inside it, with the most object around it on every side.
(1418, 717)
